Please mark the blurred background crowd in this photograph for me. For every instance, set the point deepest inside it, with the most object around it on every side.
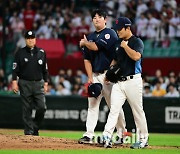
(157, 21)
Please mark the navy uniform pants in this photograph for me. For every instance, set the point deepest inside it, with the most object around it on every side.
(33, 97)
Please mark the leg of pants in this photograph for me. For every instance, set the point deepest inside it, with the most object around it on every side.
(93, 108)
(27, 98)
(121, 123)
(39, 100)
(118, 98)
(133, 89)
(92, 116)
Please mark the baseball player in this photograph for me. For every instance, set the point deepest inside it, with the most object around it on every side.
(129, 50)
(97, 59)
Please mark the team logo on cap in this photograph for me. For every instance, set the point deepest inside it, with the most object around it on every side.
(30, 33)
(116, 21)
(107, 36)
(40, 61)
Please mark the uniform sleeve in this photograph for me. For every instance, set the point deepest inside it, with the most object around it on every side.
(85, 52)
(106, 40)
(45, 68)
(16, 66)
(139, 46)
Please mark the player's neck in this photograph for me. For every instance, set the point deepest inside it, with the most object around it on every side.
(100, 29)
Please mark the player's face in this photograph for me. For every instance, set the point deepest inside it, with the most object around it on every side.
(99, 22)
(124, 33)
(121, 33)
(30, 42)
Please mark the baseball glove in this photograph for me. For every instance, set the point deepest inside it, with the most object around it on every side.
(113, 73)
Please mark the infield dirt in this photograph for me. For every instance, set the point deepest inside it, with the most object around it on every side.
(14, 141)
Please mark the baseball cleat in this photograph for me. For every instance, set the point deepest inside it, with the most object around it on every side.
(143, 143)
(107, 142)
(119, 141)
(36, 133)
(139, 145)
(86, 140)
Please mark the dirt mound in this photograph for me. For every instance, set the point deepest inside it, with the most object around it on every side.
(13, 141)
(39, 143)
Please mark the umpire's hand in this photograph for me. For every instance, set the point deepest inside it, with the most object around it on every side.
(15, 87)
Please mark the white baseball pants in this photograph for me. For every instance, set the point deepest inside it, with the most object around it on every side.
(131, 90)
(93, 108)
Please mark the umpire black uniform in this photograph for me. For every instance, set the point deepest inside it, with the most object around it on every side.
(31, 67)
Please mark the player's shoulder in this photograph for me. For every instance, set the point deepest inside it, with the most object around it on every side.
(139, 41)
(136, 39)
(109, 30)
(110, 33)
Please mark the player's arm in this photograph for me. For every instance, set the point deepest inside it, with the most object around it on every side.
(90, 45)
(131, 53)
(88, 68)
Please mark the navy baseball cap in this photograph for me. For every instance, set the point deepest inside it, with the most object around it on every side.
(122, 22)
(94, 89)
(30, 34)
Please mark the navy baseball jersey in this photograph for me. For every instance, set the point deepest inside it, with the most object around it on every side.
(101, 59)
(127, 65)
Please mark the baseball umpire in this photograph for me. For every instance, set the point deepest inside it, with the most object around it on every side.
(97, 59)
(30, 67)
(129, 51)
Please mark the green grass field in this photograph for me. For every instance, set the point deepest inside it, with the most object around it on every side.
(172, 140)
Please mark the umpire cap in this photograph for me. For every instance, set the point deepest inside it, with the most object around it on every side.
(94, 89)
(122, 22)
(29, 34)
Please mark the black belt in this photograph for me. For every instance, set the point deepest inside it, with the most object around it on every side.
(124, 78)
(100, 72)
(32, 80)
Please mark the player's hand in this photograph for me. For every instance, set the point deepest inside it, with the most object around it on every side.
(15, 86)
(124, 44)
(90, 80)
(83, 41)
(106, 81)
(85, 38)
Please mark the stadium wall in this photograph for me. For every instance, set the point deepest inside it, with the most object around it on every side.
(69, 113)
